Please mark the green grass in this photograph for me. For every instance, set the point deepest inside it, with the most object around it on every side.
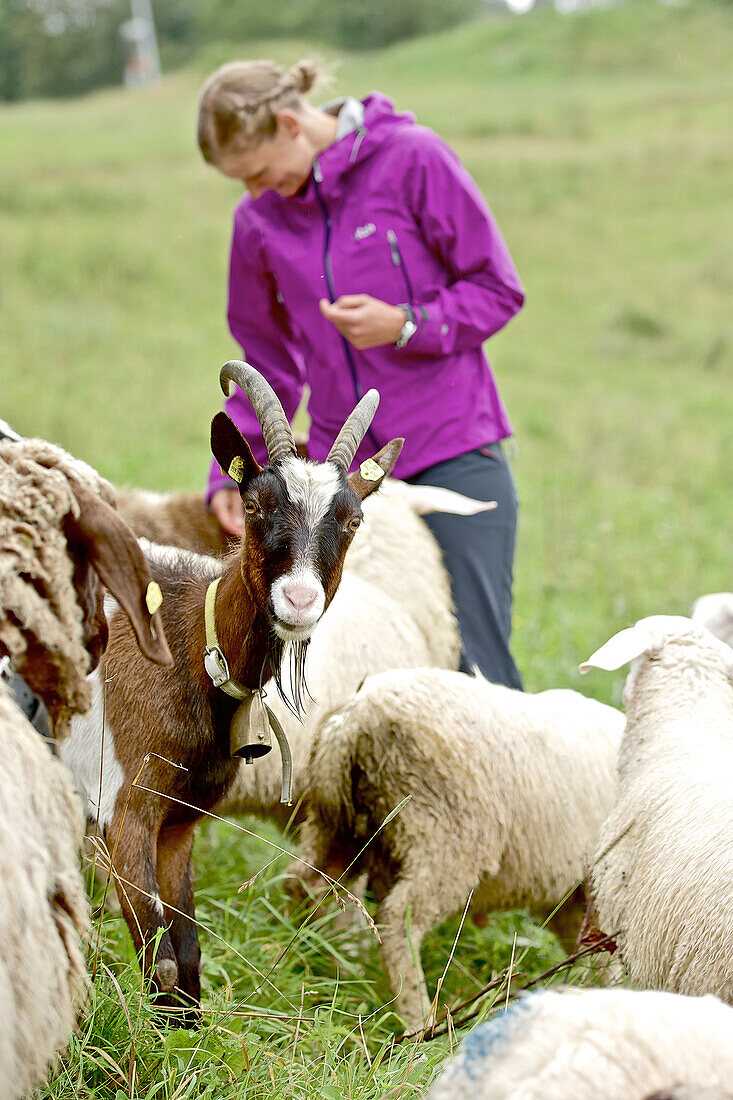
(602, 144)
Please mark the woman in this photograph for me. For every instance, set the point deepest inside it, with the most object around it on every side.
(364, 255)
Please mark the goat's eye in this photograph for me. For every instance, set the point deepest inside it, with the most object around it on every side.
(250, 508)
(354, 524)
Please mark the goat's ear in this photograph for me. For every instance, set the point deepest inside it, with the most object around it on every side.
(231, 451)
(372, 473)
(113, 552)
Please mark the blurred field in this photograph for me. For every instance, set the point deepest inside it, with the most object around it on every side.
(603, 144)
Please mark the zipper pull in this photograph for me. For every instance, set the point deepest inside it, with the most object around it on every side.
(360, 135)
(394, 247)
(317, 173)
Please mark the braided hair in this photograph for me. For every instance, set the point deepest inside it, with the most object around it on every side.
(239, 103)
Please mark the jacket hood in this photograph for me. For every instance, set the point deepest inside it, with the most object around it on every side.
(381, 122)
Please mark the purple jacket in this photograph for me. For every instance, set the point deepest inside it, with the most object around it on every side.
(389, 211)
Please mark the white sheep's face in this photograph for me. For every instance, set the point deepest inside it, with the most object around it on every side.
(646, 640)
(656, 632)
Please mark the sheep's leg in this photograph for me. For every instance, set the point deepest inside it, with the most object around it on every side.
(176, 879)
(133, 845)
(401, 961)
(431, 896)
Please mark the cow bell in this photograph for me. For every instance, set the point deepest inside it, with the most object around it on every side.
(249, 732)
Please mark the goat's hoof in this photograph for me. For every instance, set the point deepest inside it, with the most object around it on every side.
(166, 975)
(175, 1011)
(178, 1016)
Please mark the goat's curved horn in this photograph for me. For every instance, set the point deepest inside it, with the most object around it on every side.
(357, 425)
(276, 430)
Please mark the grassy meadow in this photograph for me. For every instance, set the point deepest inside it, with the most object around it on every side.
(602, 143)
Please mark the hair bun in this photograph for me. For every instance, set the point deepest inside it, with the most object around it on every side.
(304, 76)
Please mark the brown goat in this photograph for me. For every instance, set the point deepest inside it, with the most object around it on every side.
(169, 734)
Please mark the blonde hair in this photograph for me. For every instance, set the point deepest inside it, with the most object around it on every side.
(239, 103)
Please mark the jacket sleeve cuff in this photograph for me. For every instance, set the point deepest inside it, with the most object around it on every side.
(430, 335)
(438, 335)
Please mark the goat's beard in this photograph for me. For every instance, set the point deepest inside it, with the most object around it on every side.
(296, 653)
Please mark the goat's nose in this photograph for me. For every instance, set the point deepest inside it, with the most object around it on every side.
(300, 595)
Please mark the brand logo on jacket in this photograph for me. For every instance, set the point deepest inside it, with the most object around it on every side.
(363, 231)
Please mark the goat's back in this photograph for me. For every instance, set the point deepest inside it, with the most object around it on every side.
(172, 519)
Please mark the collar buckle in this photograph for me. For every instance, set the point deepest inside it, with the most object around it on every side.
(216, 665)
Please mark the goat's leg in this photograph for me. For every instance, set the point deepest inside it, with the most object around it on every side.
(176, 880)
(133, 846)
(319, 849)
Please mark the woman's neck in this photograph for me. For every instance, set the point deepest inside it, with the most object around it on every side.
(319, 127)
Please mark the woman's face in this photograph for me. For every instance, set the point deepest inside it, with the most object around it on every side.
(281, 163)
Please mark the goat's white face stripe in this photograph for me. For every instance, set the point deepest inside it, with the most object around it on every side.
(82, 754)
(313, 487)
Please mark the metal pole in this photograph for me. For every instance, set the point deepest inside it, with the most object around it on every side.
(142, 9)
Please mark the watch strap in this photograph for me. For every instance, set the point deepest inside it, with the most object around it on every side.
(409, 328)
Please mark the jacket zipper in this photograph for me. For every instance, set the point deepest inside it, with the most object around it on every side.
(397, 260)
(317, 180)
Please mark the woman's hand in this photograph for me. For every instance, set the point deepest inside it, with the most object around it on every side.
(364, 321)
(226, 506)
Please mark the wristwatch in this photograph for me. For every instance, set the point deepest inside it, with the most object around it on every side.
(409, 328)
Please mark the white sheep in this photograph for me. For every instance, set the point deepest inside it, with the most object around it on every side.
(663, 869)
(507, 793)
(397, 552)
(59, 538)
(715, 611)
(43, 912)
(609, 1044)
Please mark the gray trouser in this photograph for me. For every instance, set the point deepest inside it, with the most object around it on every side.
(479, 553)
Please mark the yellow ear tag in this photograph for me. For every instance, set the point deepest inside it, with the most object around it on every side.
(153, 597)
(236, 469)
(371, 470)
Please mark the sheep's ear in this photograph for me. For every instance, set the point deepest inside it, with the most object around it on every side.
(715, 611)
(621, 648)
(113, 552)
(373, 471)
(231, 451)
(427, 499)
